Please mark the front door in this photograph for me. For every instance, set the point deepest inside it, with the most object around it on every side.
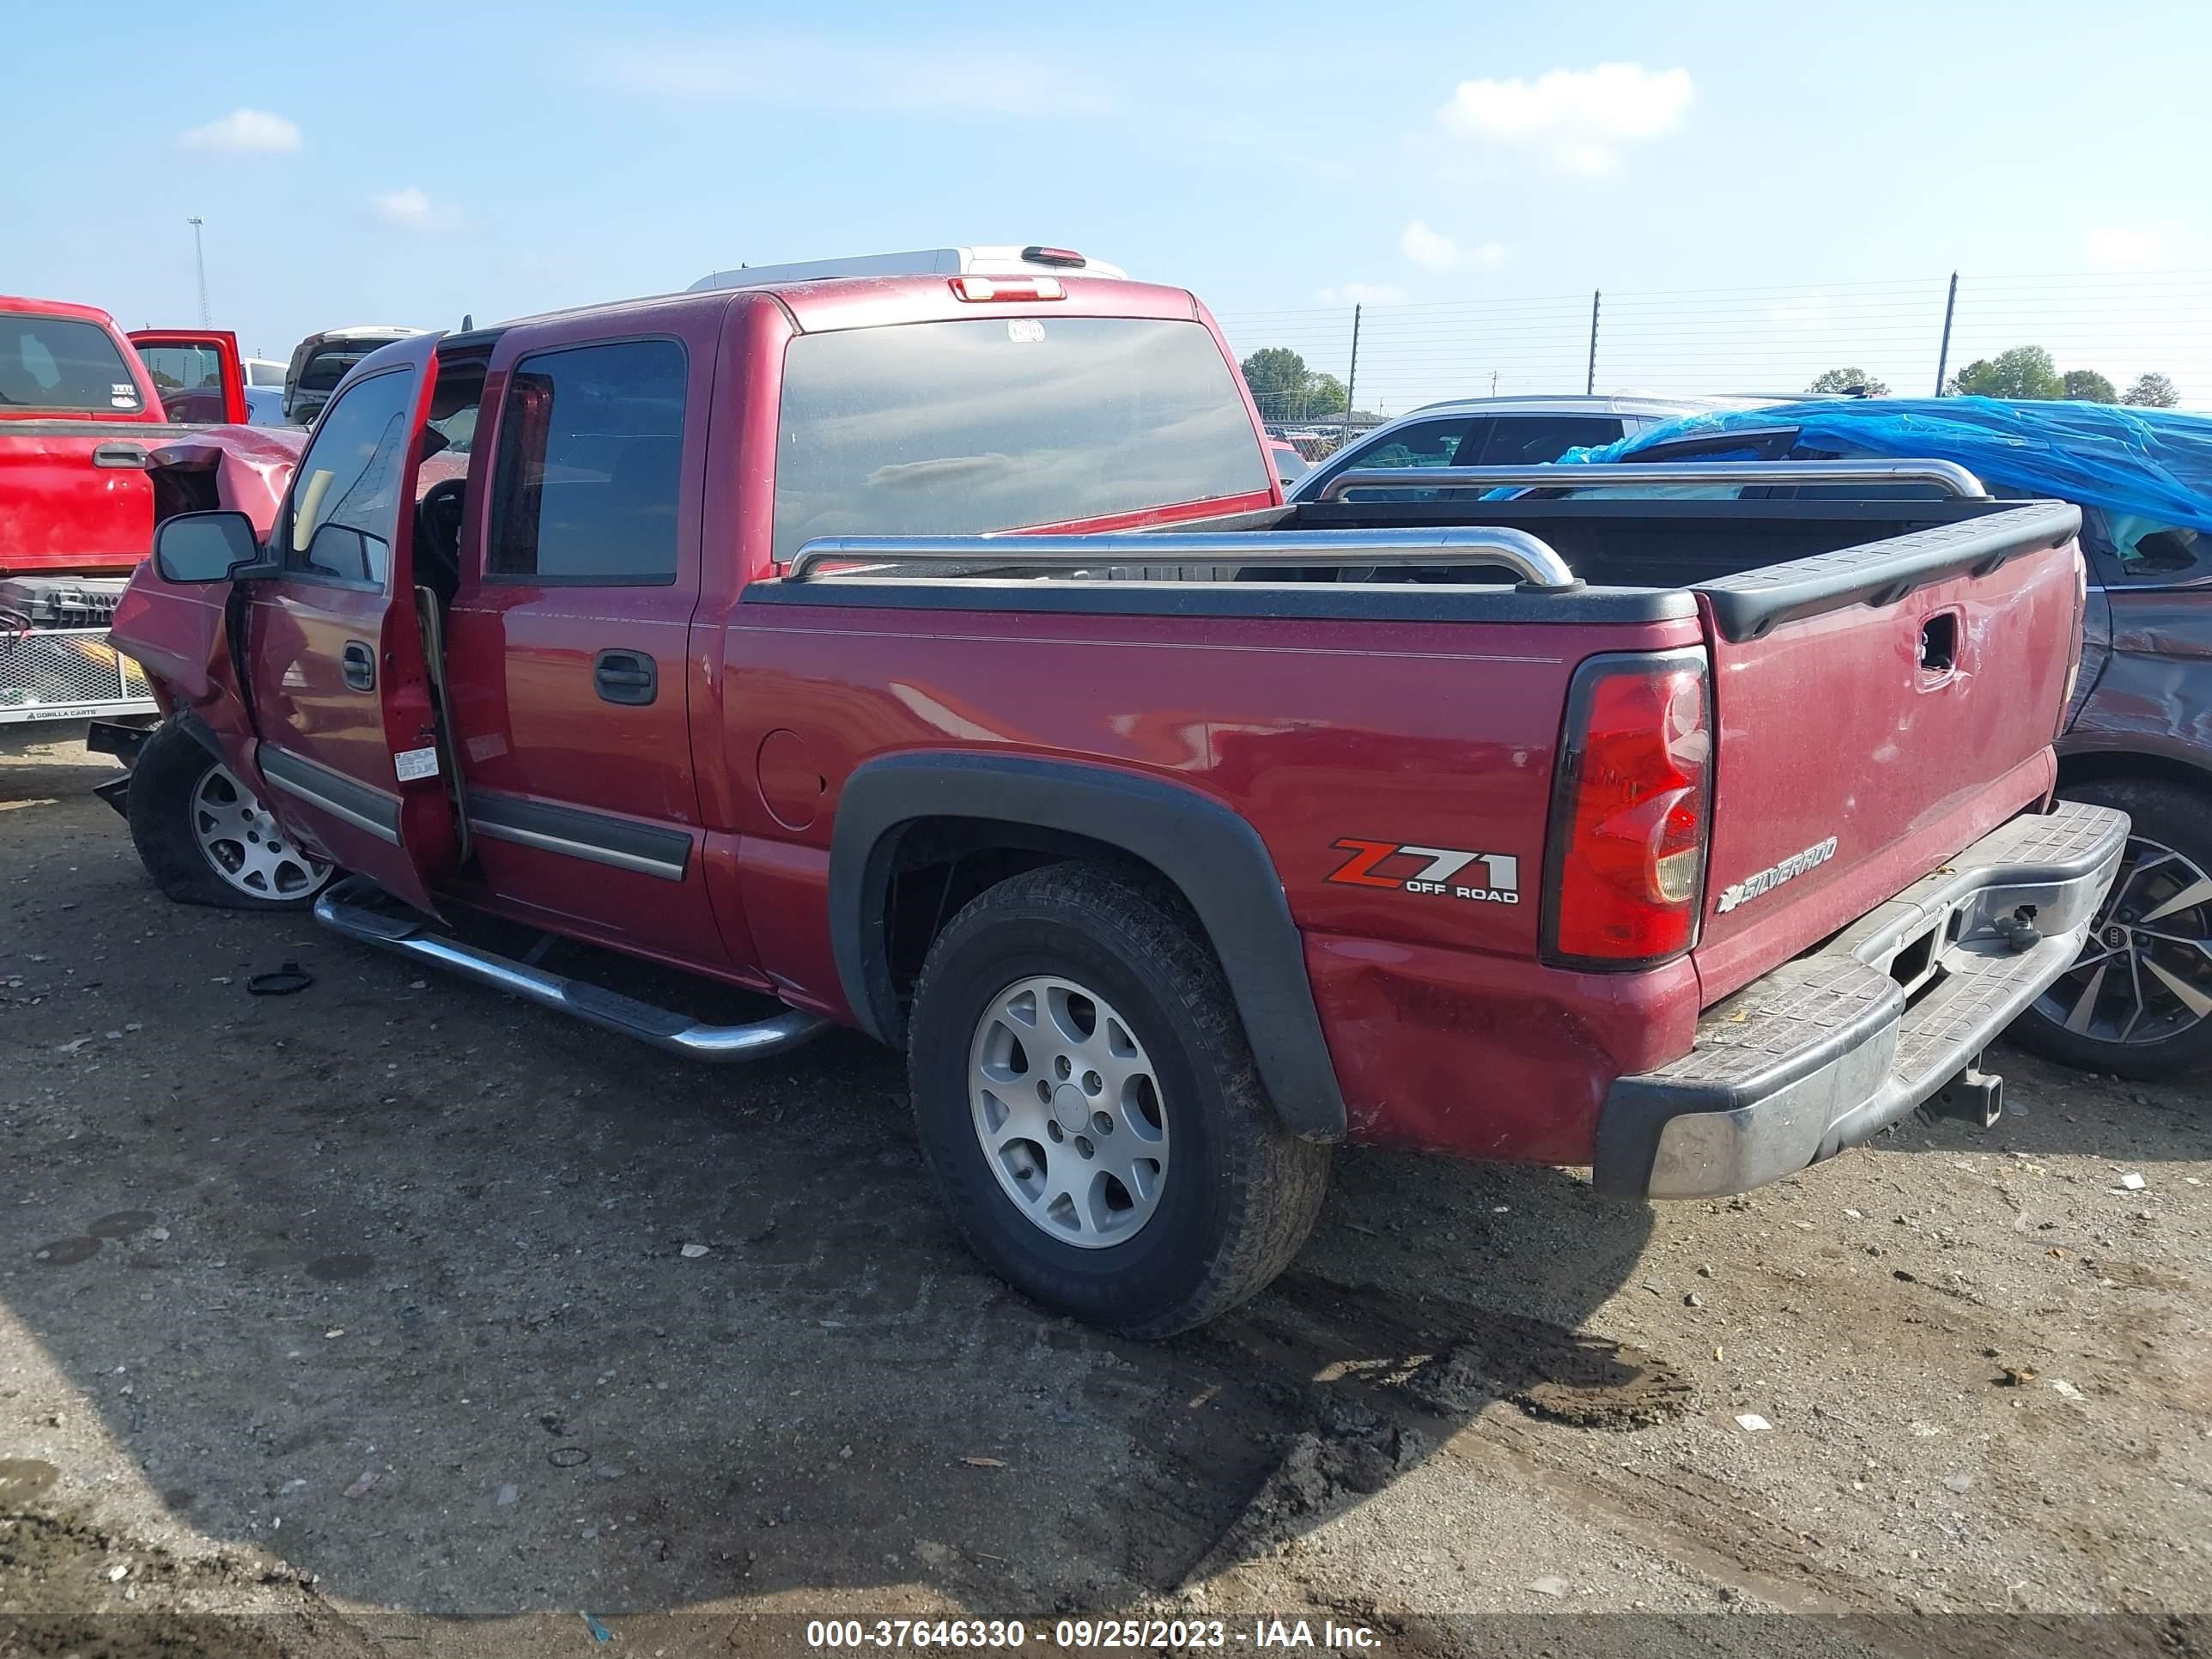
(338, 686)
(568, 656)
(197, 372)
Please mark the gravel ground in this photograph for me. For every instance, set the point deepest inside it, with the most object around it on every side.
(374, 1321)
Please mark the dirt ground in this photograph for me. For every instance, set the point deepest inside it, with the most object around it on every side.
(361, 1322)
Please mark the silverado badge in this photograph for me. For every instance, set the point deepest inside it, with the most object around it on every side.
(1739, 892)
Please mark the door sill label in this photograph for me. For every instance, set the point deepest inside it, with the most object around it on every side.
(413, 764)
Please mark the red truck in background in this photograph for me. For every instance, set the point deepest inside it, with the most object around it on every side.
(84, 411)
(1174, 838)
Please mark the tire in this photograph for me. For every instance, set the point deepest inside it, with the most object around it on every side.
(172, 800)
(1231, 1194)
(2165, 982)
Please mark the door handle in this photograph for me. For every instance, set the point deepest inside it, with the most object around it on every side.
(625, 677)
(358, 663)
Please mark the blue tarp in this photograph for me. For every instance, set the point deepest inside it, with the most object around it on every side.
(2151, 463)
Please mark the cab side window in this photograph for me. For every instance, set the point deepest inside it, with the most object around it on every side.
(590, 466)
(345, 497)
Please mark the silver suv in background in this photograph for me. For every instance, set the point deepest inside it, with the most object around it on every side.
(1503, 432)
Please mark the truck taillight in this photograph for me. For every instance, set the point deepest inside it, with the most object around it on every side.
(1009, 288)
(1631, 799)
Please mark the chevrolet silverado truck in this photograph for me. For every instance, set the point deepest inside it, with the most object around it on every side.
(83, 408)
(1174, 838)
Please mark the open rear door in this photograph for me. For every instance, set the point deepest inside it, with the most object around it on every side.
(336, 665)
(197, 372)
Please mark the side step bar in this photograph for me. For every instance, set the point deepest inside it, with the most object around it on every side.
(346, 907)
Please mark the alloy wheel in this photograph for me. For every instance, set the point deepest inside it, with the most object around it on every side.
(1067, 1108)
(2145, 973)
(246, 847)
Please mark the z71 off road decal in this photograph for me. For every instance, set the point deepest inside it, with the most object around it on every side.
(1765, 881)
(1442, 870)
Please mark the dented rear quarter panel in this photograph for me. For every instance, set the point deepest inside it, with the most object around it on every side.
(2151, 692)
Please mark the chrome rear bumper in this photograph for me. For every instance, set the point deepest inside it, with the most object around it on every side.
(1831, 1049)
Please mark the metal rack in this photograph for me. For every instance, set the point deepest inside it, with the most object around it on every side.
(1089, 558)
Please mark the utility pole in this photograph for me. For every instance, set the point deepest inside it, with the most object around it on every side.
(1590, 381)
(1943, 354)
(199, 263)
(1351, 378)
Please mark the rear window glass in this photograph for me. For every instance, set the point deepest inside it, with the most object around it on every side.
(995, 422)
(53, 362)
(326, 368)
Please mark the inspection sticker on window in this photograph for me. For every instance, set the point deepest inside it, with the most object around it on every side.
(1025, 331)
(413, 764)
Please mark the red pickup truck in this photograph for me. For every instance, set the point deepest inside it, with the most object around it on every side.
(83, 409)
(1174, 838)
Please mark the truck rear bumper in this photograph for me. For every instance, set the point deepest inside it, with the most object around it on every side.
(1831, 1049)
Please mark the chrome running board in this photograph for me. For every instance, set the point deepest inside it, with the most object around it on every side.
(348, 908)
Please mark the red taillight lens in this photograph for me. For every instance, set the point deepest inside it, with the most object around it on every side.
(1009, 288)
(1629, 809)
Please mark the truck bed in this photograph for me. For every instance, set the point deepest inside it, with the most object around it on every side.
(1885, 678)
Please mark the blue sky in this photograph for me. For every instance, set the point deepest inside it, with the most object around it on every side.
(1826, 169)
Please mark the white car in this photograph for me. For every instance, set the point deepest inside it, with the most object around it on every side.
(1503, 432)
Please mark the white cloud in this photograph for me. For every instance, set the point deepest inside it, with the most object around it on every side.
(2119, 248)
(244, 132)
(1580, 119)
(1438, 251)
(1363, 294)
(412, 210)
(841, 72)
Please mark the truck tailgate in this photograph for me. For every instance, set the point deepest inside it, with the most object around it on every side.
(1865, 735)
(75, 494)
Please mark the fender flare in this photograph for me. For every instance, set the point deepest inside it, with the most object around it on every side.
(1212, 855)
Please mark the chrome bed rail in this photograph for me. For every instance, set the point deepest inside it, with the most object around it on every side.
(1080, 557)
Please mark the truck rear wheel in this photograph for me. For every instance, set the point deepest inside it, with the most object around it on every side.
(1086, 1099)
(2137, 1002)
(206, 839)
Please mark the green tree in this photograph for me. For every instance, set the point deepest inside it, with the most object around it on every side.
(2151, 391)
(1278, 378)
(2086, 386)
(2024, 372)
(1286, 389)
(1849, 380)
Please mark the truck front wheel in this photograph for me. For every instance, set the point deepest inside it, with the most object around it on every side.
(1086, 1098)
(206, 839)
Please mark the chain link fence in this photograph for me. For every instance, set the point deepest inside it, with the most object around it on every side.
(1908, 338)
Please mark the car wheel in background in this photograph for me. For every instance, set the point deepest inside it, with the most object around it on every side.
(2138, 1002)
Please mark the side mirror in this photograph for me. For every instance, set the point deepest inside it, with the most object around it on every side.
(203, 547)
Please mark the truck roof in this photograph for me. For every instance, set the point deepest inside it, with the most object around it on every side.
(823, 305)
(997, 260)
(68, 308)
